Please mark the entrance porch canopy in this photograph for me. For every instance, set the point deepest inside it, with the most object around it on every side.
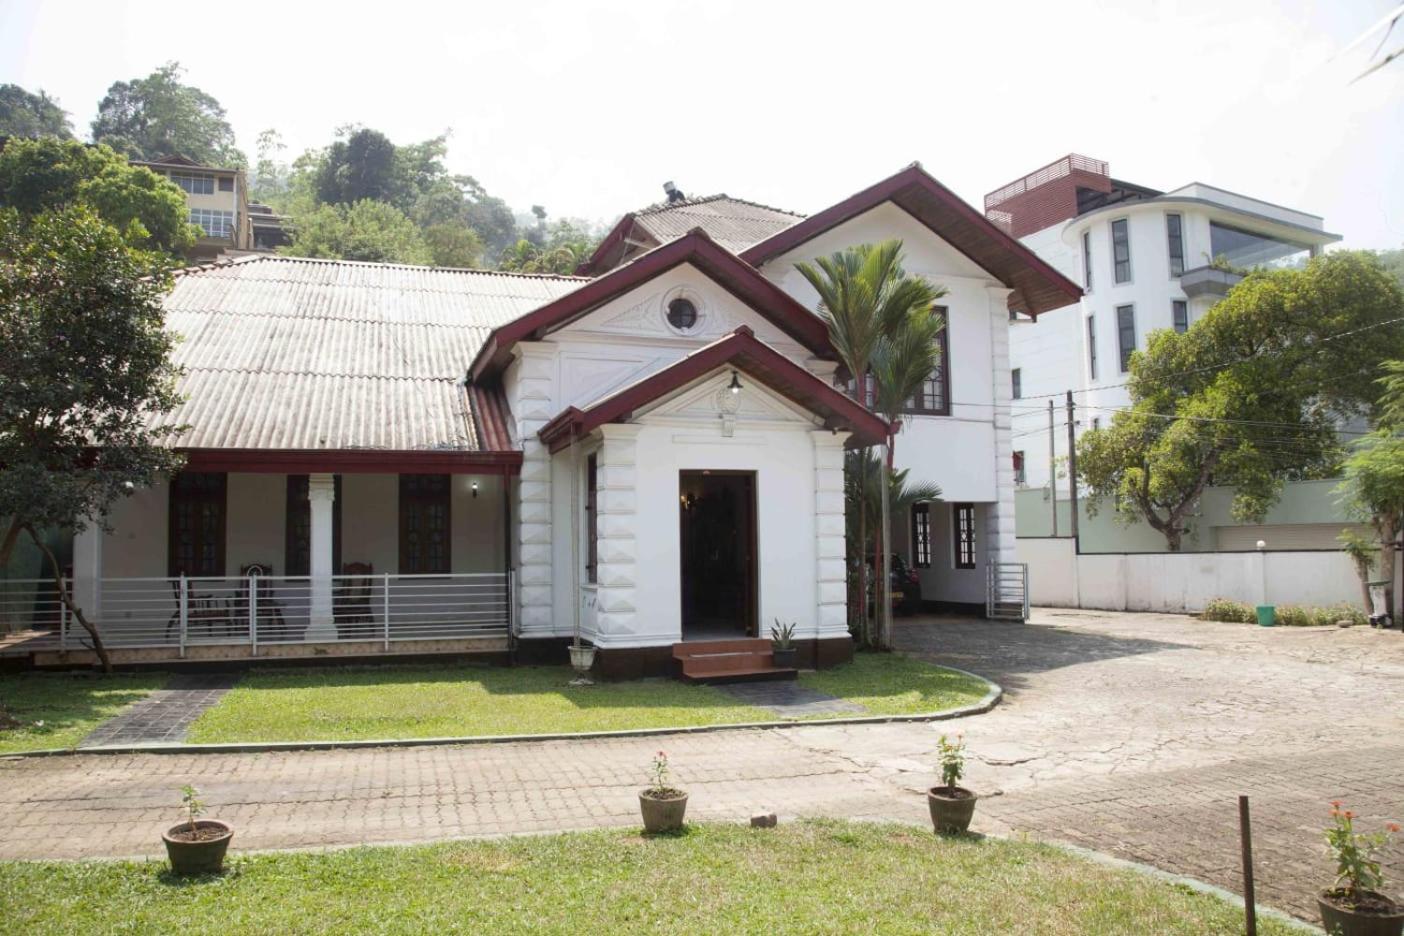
(746, 353)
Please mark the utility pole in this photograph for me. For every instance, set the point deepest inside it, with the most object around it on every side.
(1072, 464)
(1052, 469)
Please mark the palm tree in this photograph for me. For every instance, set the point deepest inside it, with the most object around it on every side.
(864, 490)
(901, 364)
(865, 297)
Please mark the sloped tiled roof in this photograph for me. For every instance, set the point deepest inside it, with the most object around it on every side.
(293, 353)
(731, 222)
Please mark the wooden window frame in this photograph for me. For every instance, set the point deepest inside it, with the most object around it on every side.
(592, 518)
(920, 404)
(411, 500)
(963, 534)
(182, 492)
(921, 535)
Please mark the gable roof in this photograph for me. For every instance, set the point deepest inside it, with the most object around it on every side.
(1037, 287)
(294, 354)
(723, 267)
(744, 351)
(734, 223)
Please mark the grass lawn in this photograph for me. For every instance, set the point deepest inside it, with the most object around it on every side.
(57, 710)
(809, 877)
(369, 703)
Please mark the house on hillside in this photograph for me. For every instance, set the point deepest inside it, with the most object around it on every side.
(394, 459)
(218, 201)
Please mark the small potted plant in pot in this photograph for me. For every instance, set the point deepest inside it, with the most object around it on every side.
(663, 806)
(1355, 906)
(782, 644)
(197, 846)
(951, 805)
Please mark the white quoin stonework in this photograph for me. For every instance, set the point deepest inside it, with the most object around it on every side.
(832, 583)
(321, 497)
(1000, 534)
(617, 504)
(532, 403)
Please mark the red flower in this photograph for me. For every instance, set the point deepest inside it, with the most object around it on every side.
(1392, 826)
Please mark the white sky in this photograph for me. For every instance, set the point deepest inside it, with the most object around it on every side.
(588, 108)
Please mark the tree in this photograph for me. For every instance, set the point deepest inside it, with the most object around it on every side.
(87, 365)
(46, 174)
(902, 362)
(269, 180)
(453, 245)
(1250, 396)
(863, 494)
(23, 114)
(367, 230)
(1373, 483)
(148, 118)
(362, 166)
(864, 296)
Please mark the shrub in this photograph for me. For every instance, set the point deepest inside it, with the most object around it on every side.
(1225, 609)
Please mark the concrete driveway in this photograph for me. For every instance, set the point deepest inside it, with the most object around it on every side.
(1131, 734)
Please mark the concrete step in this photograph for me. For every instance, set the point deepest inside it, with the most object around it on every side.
(737, 660)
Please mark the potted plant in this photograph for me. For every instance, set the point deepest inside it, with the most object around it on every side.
(663, 806)
(782, 644)
(196, 846)
(951, 806)
(1355, 906)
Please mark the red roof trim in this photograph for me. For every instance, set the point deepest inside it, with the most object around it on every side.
(493, 418)
(890, 189)
(617, 235)
(351, 461)
(743, 350)
(726, 269)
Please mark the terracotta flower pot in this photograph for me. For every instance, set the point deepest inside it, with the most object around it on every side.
(951, 809)
(201, 855)
(1375, 916)
(663, 810)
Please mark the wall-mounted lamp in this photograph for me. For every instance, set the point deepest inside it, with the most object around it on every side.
(474, 488)
(735, 383)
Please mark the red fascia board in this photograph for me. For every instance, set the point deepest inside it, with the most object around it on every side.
(890, 189)
(619, 233)
(746, 352)
(730, 272)
(351, 461)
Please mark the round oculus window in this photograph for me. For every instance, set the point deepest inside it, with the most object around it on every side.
(682, 314)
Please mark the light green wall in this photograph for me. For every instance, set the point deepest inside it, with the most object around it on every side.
(1301, 502)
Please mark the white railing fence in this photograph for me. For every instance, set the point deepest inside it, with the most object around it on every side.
(1007, 594)
(265, 609)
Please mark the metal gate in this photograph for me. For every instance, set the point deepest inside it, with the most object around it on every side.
(1007, 594)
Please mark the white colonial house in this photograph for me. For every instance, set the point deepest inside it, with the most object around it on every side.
(393, 459)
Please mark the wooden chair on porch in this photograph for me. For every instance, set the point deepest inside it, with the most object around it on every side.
(351, 602)
(203, 613)
(272, 625)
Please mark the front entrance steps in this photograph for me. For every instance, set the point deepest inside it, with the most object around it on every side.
(721, 661)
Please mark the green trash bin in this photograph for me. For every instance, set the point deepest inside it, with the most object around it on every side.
(1267, 615)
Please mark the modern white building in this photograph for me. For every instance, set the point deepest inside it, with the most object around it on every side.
(391, 459)
(1145, 259)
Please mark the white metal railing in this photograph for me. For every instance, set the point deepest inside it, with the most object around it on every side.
(264, 609)
(1007, 594)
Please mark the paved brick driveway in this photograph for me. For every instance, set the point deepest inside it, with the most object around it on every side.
(1130, 734)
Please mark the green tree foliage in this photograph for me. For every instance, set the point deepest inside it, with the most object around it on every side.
(270, 177)
(1250, 396)
(453, 245)
(87, 360)
(368, 230)
(49, 173)
(363, 165)
(558, 248)
(1393, 262)
(148, 118)
(23, 114)
(1373, 484)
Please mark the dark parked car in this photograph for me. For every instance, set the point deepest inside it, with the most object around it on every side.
(906, 587)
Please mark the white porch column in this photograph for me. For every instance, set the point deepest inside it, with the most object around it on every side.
(532, 404)
(831, 612)
(87, 570)
(321, 495)
(616, 502)
(1000, 525)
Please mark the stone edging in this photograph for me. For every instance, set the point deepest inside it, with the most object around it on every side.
(989, 701)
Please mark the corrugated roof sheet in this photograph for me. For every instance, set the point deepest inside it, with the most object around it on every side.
(732, 222)
(293, 353)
